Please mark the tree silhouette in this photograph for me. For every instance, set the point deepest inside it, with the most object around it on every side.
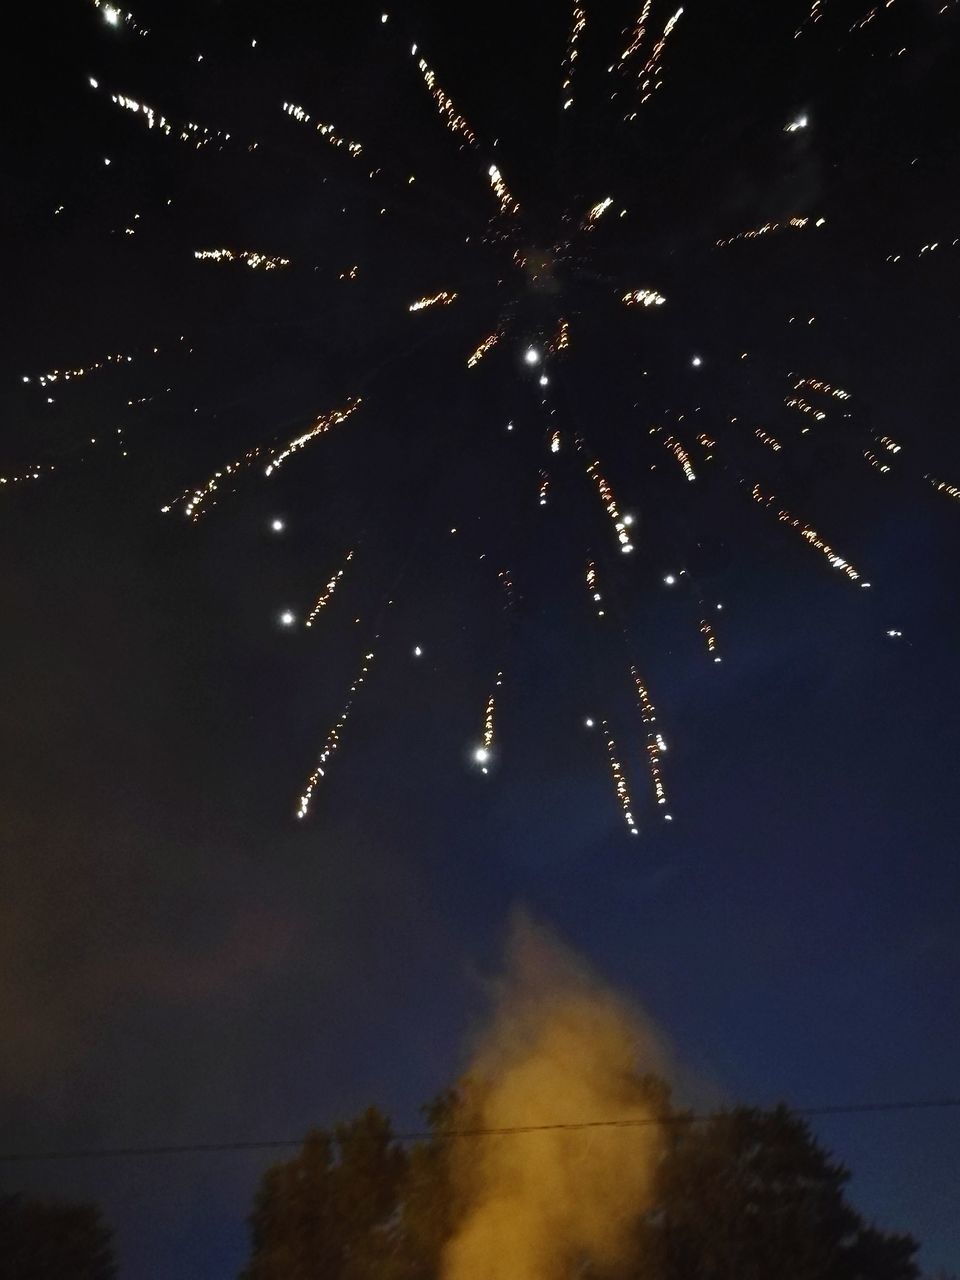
(328, 1211)
(746, 1194)
(750, 1194)
(47, 1240)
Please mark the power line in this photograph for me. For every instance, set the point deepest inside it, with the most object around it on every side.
(422, 1135)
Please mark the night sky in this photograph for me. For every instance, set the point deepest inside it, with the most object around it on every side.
(181, 960)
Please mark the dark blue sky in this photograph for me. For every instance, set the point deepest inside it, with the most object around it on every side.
(181, 960)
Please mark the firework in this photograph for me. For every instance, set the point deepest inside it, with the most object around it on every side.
(636, 36)
(930, 247)
(544, 262)
(500, 189)
(644, 298)
(254, 260)
(450, 116)
(619, 781)
(483, 753)
(326, 131)
(320, 427)
(594, 214)
(509, 590)
(710, 638)
(442, 299)
(804, 406)
(593, 587)
(869, 16)
(877, 463)
(648, 77)
(652, 67)
(481, 350)
(610, 505)
(766, 438)
(82, 371)
(577, 26)
(115, 17)
(332, 743)
(808, 533)
(194, 499)
(825, 389)
(190, 131)
(327, 594)
(655, 745)
(941, 486)
(116, 359)
(815, 14)
(561, 339)
(35, 472)
(672, 445)
(768, 228)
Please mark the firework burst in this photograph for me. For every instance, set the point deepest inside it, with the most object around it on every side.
(521, 292)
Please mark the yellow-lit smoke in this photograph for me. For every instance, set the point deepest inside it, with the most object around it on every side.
(561, 1049)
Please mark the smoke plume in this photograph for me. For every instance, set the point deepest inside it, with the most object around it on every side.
(561, 1049)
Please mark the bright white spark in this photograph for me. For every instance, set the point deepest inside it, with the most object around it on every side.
(597, 211)
(643, 297)
(249, 256)
(442, 299)
(114, 16)
(508, 204)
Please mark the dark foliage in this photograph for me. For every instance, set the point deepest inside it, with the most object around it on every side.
(745, 1195)
(328, 1211)
(47, 1240)
(750, 1194)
